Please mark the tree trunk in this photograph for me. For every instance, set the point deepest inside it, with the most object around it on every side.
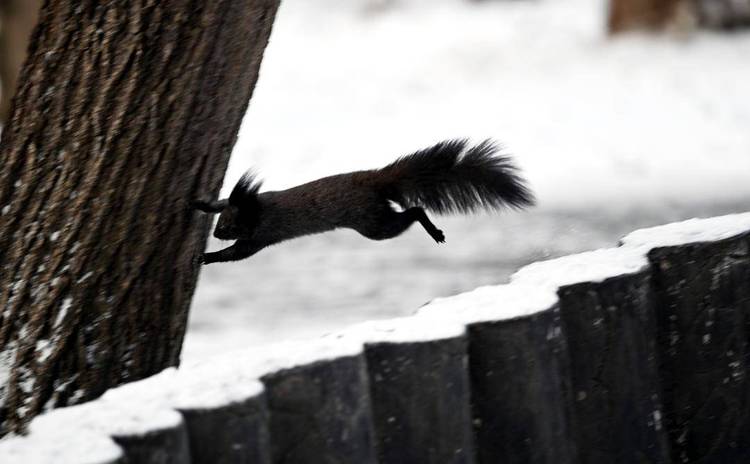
(126, 111)
(678, 15)
(652, 15)
(723, 14)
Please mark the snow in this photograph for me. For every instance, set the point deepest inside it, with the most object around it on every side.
(534, 287)
(110, 418)
(230, 377)
(401, 330)
(67, 301)
(690, 231)
(151, 404)
(490, 303)
(138, 408)
(7, 358)
(593, 266)
(259, 361)
(56, 447)
(44, 350)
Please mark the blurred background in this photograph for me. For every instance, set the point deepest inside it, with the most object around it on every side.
(614, 132)
(621, 113)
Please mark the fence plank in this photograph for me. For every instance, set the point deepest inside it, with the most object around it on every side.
(703, 291)
(161, 446)
(521, 392)
(611, 332)
(320, 413)
(419, 385)
(235, 433)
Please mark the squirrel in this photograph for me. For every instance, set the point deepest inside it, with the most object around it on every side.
(449, 177)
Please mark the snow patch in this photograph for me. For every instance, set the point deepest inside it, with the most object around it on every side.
(401, 330)
(690, 231)
(490, 303)
(90, 448)
(592, 266)
(7, 357)
(63, 311)
(259, 361)
(44, 350)
(109, 418)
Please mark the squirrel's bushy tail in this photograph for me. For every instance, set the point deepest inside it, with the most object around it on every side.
(454, 177)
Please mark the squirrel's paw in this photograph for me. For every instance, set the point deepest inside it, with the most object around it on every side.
(200, 205)
(199, 259)
(439, 236)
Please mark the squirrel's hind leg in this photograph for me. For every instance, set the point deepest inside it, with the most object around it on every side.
(391, 224)
(421, 216)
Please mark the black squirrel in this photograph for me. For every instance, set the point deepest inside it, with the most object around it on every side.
(449, 177)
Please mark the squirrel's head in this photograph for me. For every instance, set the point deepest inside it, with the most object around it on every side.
(240, 217)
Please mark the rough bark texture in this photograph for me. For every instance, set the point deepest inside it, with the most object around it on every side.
(126, 111)
(641, 14)
(677, 15)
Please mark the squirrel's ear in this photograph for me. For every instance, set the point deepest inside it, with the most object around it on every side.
(246, 190)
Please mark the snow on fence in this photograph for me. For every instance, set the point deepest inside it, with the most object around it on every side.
(639, 353)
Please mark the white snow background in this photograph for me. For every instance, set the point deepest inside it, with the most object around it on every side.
(613, 135)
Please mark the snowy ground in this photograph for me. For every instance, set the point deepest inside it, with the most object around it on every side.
(613, 135)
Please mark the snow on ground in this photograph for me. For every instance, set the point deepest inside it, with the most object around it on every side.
(613, 135)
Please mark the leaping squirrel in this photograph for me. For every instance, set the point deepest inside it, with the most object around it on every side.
(450, 177)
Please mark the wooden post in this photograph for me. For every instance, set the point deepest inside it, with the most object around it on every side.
(419, 390)
(320, 413)
(235, 433)
(610, 327)
(703, 318)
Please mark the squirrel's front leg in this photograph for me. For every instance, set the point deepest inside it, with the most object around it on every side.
(240, 250)
(210, 206)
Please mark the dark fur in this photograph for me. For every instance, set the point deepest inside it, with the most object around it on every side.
(450, 177)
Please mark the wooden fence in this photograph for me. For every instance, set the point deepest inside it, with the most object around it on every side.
(635, 354)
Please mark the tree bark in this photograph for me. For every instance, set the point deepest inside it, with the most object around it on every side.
(677, 15)
(723, 14)
(126, 111)
(654, 15)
